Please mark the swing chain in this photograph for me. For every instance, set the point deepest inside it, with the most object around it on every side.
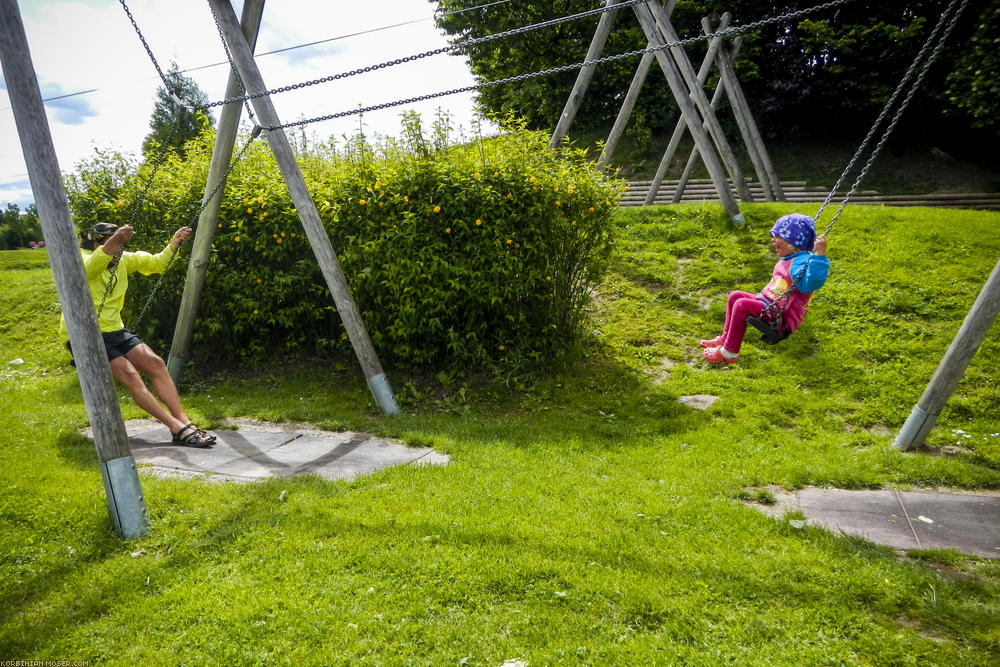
(532, 75)
(940, 40)
(205, 202)
(159, 159)
(902, 107)
(232, 66)
(445, 49)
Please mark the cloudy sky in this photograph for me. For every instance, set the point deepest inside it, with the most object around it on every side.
(90, 45)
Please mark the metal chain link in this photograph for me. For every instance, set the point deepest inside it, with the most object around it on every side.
(932, 38)
(232, 66)
(197, 216)
(566, 68)
(902, 107)
(149, 51)
(445, 49)
(157, 161)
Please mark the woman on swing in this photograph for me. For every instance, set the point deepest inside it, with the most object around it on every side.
(104, 261)
(802, 263)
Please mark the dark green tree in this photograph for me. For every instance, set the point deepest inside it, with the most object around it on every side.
(973, 86)
(827, 74)
(191, 122)
(17, 228)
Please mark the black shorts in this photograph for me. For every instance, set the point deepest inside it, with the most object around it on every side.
(116, 343)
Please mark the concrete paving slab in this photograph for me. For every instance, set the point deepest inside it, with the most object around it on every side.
(942, 521)
(901, 520)
(257, 451)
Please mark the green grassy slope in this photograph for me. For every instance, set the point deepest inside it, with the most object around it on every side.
(587, 517)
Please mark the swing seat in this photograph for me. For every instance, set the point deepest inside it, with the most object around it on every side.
(770, 334)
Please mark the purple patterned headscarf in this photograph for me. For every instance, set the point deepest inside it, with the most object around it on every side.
(797, 229)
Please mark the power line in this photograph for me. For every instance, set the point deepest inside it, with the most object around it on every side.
(302, 46)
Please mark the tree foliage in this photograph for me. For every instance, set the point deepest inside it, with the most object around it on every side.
(19, 228)
(165, 125)
(828, 73)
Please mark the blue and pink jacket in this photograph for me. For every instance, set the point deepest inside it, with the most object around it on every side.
(817, 268)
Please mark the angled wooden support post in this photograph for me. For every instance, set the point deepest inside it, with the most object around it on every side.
(700, 99)
(682, 95)
(716, 97)
(766, 174)
(600, 38)
(678, 133)
(311, 222)
(201, 248)
(952, 367)
(630, 99)
(121, 479)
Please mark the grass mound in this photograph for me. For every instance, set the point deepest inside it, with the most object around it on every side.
(589, 517)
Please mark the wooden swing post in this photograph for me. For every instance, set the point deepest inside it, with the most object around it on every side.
(952, 367)
(201, 247)
(121, 479)
(378, 384)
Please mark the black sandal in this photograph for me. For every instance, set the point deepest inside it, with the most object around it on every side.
(194, 437)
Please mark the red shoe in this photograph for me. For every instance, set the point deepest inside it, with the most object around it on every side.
(715, 342)
(713, 355)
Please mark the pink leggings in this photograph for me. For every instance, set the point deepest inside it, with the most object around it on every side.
(738, 307)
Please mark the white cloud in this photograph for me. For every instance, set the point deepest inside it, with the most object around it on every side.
(83, 45)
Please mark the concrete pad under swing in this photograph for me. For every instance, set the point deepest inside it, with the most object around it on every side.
(903, 520)
(255, 450)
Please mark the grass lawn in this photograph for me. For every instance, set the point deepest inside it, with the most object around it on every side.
(587, 516)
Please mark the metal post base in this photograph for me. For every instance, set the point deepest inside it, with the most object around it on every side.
(382, 392)
(125, 502)
(915, 430)
(175, 367)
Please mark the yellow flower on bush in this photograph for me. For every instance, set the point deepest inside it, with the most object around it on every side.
(249, 210)
(381, 204)
(447, 230)
(246, 201)
(510, 196)
(591, 209)
(478, 222)
(437, 209)
(259, 281)
(292, 235)
(361, 202)
(236, 239)
(501, 348)
(558, 203)
(220, 225)
(254, 311)
(573, 223)
(120, 204)
(263, 214)
(495, 174)
(279, 240)
(274, 236)
(260, 200)
(478, 175)
(406, 199)
(548, 277)
(509, 241)
(556, 189)
(532, 179)
(378, 183)
(569, 189)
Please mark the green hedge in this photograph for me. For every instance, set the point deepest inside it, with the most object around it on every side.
(476, 253)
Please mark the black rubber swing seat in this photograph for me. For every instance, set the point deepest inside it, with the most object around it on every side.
(769, 334)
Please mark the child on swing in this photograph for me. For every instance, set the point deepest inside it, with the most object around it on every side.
(800, 251)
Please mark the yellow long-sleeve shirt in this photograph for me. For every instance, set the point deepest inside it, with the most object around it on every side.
(95, 265)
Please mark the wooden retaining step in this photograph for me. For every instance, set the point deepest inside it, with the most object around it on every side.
(798, 191)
